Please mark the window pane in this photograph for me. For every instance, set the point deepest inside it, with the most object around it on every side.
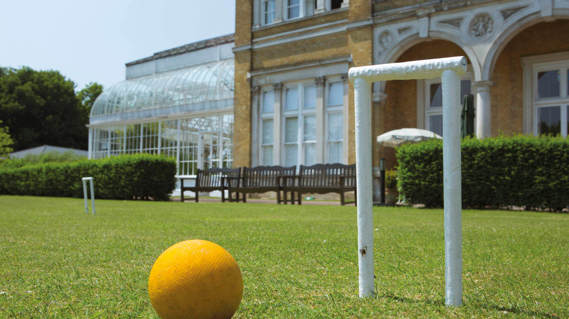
(310, 128)
(335, 127)
(293, 8)
(549, 120)
(291, 102)
(267, 155)
(548, 84)
(290, 154)
(334, 152)
(309, 153)
(267, 132)
(436, 97)
(291, 130)
(336, 94)
(268, 102)
(309, 97)
(269, 11)
(436, 124)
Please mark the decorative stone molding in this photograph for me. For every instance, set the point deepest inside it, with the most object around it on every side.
(384, 41)
(255, 89)
(277, 86)
(507, 13)
(481, 26)
(480, 86)
(455, 22)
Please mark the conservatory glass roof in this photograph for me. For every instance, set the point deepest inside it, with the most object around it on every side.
(201, 88)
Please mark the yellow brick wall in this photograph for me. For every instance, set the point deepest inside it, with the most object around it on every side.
(506, 94)
(328, 17)
(360, 10)
(243, 22)
(299, 52)
(242, 97)
(361, 47)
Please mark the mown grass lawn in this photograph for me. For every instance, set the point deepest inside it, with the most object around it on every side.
(297, 261)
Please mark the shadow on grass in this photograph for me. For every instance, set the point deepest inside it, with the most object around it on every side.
(519, 311)
(514, 310)
(413, 301)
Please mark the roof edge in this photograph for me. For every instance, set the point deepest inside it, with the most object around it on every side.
(194, 46)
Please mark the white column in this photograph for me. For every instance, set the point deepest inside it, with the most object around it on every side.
(255, 138)
(159, 136)
(90, 144)
(109, 132)
(178, 138)
(483, 109)
(277, 119)
(200, 151)
(302, 11)
(279, 4)
(345, 3)
(320, 6)
(362, 91)
(452, 188)
(125, 131)
(220, 142)
(320, 118)
(141, 137)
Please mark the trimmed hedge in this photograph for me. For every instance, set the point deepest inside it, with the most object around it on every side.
(140, 176)
(523, 171)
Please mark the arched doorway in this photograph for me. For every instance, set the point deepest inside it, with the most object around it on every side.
(414, 103)
(530, 94)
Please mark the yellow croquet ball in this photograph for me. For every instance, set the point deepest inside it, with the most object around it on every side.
(195, 279)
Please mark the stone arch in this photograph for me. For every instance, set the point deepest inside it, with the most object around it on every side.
(507, 34)
(405, 44)
(403, 103)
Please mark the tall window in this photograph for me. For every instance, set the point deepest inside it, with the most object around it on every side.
(299, 124)
(267, 127)
(268, 11)
(334, 122)
(434, 103)
(551, 98)
(293, 9)
(294, 129)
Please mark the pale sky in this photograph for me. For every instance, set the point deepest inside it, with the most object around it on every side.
(91, 40)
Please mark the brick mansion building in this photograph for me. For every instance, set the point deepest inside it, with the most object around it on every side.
(293, 103)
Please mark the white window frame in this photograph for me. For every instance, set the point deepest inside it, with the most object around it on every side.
(334, 109)
(562, 101)
(265, 117)
(531, 66)
(286, 4)
(265, 12)
(279, 116)
(424, 96)
(300, 113)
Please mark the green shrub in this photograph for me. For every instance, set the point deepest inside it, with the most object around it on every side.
(391, 180)
(140, 176)
(49, 157)
(522, 171)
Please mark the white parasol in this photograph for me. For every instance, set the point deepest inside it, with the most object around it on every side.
(402, 136)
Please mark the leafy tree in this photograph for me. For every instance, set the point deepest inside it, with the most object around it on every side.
(89, 94)
(41, 107)
(5, 141)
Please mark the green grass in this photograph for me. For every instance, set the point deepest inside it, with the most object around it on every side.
(297, 261)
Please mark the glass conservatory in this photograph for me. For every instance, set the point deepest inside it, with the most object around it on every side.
(186, 114)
